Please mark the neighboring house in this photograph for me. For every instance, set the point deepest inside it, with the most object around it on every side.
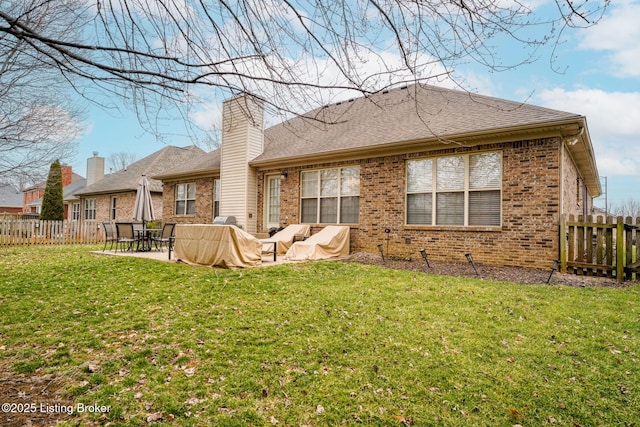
(10, 199)
(417, 167)
(32, 196)
(71, 203)
(112, 197)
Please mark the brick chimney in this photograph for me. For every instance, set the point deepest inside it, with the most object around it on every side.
(67, 175)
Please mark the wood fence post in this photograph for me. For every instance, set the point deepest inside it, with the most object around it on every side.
(628, 238)
(620, 249)
(571, 242)
(600, 248)
(588, 242)
(563, 243)
(609, 244)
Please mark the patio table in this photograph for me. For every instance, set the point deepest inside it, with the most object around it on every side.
(144, 237)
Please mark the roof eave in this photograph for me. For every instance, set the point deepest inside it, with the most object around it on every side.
(201, 173)
(561, 128)
(103, 192)
(584, 158)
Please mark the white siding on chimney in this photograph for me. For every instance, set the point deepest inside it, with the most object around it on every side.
(242, 141)
(95, 169)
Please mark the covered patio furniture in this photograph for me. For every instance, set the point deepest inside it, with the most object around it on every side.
(109, 235)
(216, 245)
(126, 236)
(164, 238)
(330, 242)
(284, 238)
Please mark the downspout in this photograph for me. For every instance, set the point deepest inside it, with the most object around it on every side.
(560, 201)
(586, 206)
(570, 140)
(560, 178)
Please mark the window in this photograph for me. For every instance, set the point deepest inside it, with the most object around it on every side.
(272, 202)
(186, 199)
(90, 209)
(113, 209)
(457, 190)
(331, 196)
(75, 211)
(216, 198)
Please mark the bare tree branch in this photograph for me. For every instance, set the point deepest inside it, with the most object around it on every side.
(157, 56)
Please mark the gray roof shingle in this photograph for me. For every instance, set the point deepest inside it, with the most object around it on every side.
(10, 196)
(411, 113)
(152, 165)
(405, 117)
(204, 164)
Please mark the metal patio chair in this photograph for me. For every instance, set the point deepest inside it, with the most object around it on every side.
(165, 237)
(125, 235)
(109, 235)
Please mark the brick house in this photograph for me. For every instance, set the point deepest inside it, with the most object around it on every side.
(71, 202)
(10, 199)
(110, 198)
(71, 181)
(411, 168)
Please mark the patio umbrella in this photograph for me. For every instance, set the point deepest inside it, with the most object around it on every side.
(143, 207)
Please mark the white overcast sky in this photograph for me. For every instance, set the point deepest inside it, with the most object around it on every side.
(599, 78)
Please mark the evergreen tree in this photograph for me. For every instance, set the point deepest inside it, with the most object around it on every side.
(53, 200)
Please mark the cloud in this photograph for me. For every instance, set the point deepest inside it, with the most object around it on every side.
(617, 33)
(208, 115)
(614, 124)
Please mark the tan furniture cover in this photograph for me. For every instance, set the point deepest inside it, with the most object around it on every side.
(330, 242)
(284, 238)
(217, 245)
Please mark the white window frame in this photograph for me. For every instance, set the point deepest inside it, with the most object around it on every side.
(75, 211)
(186, 199)
(113, 209)
(90, 209)
(272, 201)
(467, 189)
(340, 195)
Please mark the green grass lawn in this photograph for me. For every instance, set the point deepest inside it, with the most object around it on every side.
(317, 344)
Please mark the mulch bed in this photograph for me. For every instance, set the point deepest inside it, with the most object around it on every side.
(526, 276)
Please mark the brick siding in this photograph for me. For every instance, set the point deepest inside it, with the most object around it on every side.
(124, 206)
(530, 208)
(204, 201)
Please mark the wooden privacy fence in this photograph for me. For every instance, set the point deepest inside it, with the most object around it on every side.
(600, 247)
(36, 232)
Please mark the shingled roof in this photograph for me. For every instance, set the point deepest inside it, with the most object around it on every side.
(408, 119)
(152, 165)
(420, 117)
(203, 166)
(409, 114)
(10, 196)
(68, 192)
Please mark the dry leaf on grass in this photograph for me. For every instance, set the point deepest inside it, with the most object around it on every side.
(404, 420)
(154, 417)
